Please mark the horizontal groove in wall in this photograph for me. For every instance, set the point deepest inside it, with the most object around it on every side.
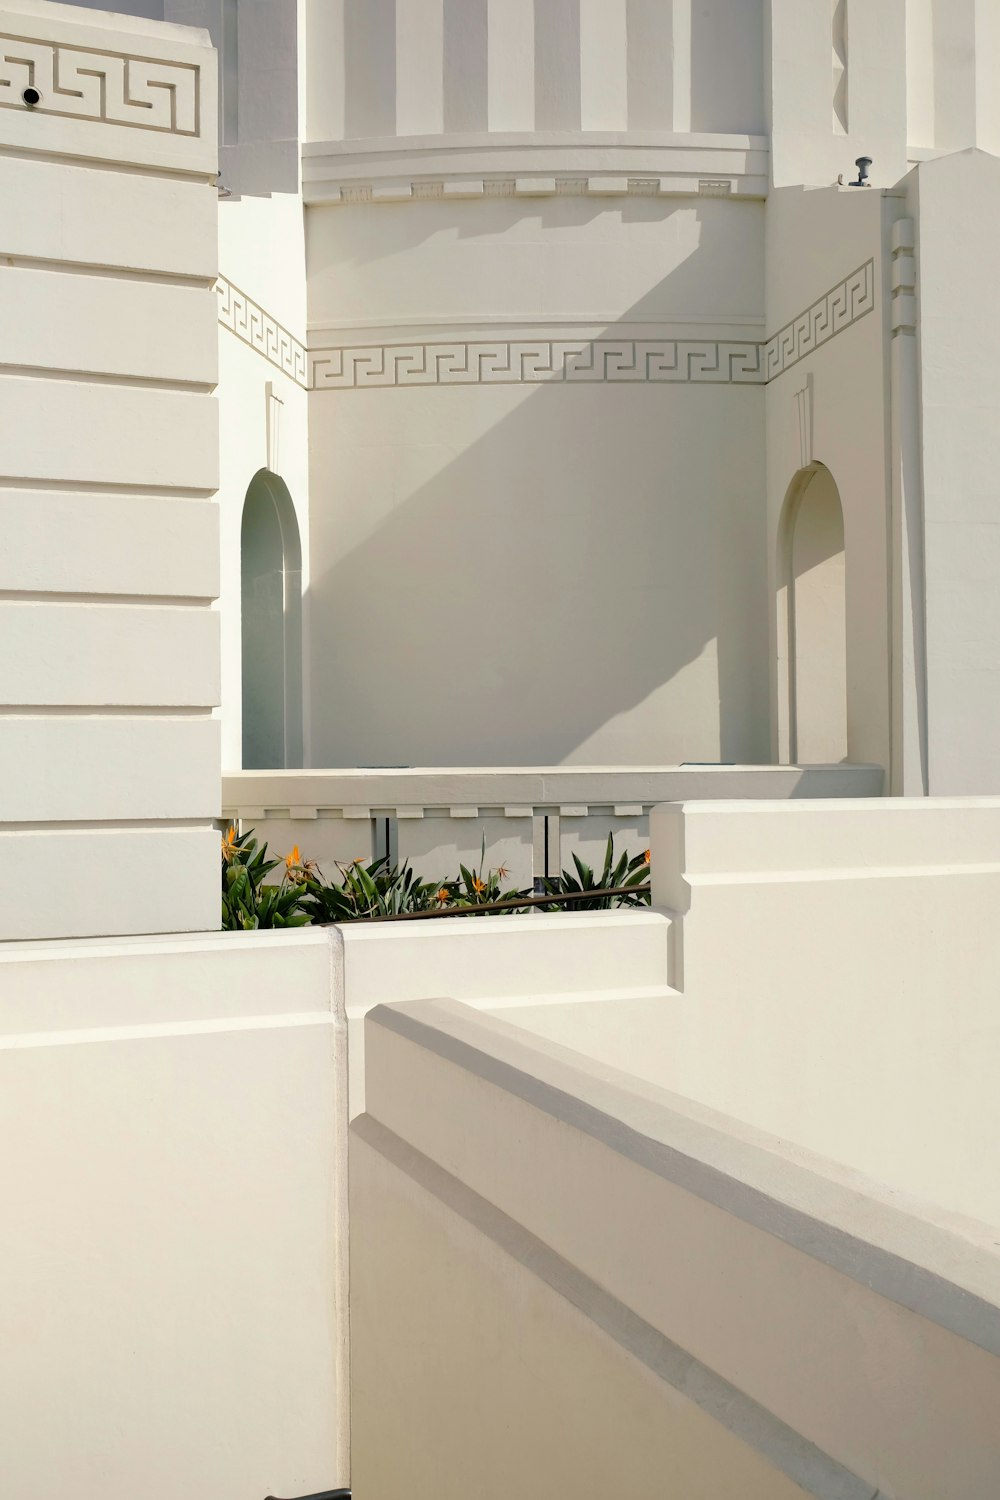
(100, 487)
(110, 825)
(98, 377)
(112, 273)
(106, 710)
(103, 164)
(607, 325)
(140, 601)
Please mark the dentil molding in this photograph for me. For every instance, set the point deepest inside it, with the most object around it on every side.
(402, 169)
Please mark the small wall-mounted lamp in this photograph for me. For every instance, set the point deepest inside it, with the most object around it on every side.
(31, 96)
(862, 163)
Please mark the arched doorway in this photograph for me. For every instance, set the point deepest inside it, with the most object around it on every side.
(271, 576)
(812, 622)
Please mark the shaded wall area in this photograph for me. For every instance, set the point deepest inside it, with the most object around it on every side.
(532, 573)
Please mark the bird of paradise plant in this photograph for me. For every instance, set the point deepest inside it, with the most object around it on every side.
(377, 889)
(247, 902)
(626, 872)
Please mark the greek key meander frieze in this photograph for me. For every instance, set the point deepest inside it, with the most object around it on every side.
(254, 326)
(837, 309)
(542, 361)
(112, 87)
(536, 361)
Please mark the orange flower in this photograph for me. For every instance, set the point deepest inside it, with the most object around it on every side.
(478, 885)
(502, 872)
(443, 895)
(298, 869)
(229, 844)
(645, 857)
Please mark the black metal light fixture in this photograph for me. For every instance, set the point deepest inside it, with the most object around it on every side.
(862, 163)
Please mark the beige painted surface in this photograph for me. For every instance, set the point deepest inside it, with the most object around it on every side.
(960, 459)
(829, 407)
(88, 655)
(472, 1376)
(516, 493)
(174, 554)
(818, 608)
(856, 1322)
(123, 767)
(541, 960)
(106, 875)
(482, 191)
(110, 660)
(105, 326)
(837, 964)
(174, 1316)
(526, 67)
(169, 228)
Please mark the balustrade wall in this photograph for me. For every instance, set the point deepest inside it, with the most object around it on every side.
(531, 821)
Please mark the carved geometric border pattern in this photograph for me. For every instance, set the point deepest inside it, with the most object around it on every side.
(142, 92)
(251, 324)
(838, 309)
(538, 361)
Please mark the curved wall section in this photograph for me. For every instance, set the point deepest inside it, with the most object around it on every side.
(536, 444)
(425, 67)
(536, 456)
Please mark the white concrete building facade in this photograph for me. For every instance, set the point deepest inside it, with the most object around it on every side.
(520, 387)
(606, 425)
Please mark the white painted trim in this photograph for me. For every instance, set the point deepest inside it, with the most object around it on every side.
(523, 163)
(829, 1213)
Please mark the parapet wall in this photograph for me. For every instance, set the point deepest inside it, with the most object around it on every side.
(563, 1282)
(172, 1118)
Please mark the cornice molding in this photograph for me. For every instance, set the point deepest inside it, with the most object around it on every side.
(638, 164)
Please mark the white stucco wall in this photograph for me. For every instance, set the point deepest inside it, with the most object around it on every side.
(585, 1254)
(540, 573)
(172, 1118)
(109, 456)
(893, 80)
(835, 966)
(838, 89)
(578, 148)
(827, 403)
(262, 256)
(955, 203)
(419, 67)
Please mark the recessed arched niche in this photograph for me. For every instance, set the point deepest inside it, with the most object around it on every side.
(812, 622)
(271, 589)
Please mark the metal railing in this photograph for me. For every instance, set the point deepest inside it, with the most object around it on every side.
(512, 903)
